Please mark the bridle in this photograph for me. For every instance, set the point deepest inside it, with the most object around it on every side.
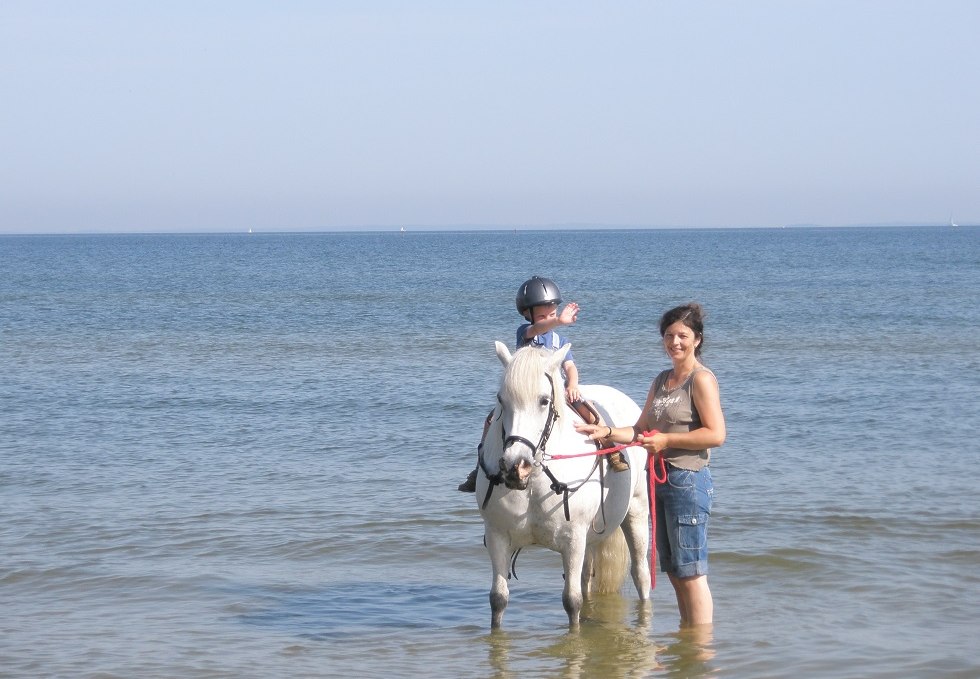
(545, 433)
(559, 487)
(497, 477)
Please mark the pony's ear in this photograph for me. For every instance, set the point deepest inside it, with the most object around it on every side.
(503, 353)
(558, 357)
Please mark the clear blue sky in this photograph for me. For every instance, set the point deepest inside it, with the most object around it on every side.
(219, 116)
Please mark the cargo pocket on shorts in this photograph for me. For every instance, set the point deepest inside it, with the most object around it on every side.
(692, 531)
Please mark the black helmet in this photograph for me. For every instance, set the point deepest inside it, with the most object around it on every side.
(535, 292)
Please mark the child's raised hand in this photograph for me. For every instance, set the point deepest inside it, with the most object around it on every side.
(569, 314)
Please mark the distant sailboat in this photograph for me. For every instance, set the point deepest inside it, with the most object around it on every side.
(951, 222)
(402, 229)
(250, 229)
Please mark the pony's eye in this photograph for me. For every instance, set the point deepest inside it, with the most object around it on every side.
(544, 401)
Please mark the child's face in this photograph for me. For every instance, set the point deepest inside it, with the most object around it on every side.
(544, 312)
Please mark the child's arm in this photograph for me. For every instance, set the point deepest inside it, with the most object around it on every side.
(571, 382)
(567, 316)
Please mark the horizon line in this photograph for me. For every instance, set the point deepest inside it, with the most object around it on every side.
(462, 228)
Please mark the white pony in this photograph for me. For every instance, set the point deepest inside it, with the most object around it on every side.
(530, 494)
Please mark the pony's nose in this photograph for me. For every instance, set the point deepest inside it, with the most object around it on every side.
(518, 475)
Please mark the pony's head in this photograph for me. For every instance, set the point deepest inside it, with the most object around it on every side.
(531, 400)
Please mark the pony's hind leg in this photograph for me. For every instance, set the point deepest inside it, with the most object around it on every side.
(588, 571)
(635, 529)
(500, 554)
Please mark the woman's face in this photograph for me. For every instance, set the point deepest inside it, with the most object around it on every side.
(679, 341)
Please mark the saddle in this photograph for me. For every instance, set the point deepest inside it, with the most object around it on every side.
(586, 411)
(590, 415)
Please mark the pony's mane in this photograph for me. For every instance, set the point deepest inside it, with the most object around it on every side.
(520, 381)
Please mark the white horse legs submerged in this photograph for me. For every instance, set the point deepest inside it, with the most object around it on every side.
(573, 505)
(600, 569)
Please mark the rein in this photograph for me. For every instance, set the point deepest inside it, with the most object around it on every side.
(561, 488)
(652, 480)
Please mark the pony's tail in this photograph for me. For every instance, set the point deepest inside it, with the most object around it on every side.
(611, 562)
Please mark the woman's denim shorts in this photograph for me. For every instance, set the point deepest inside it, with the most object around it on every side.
(683, 507)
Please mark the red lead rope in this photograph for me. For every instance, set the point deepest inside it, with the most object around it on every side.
(652, 481)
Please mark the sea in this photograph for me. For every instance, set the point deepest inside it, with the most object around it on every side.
(236, 455)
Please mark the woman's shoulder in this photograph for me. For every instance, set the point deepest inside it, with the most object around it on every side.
(702, 376)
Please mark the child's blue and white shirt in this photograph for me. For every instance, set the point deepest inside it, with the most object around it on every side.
(549, 340)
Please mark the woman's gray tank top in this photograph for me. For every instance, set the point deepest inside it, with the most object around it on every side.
(674, 411)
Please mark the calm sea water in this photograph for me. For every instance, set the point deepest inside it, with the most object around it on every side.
(236, 455)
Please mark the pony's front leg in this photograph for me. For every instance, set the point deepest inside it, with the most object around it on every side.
(500, 553)
(573, 558)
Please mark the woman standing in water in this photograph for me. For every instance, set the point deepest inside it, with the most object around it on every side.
(684, 408)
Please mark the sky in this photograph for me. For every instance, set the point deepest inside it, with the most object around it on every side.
(186, 116)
